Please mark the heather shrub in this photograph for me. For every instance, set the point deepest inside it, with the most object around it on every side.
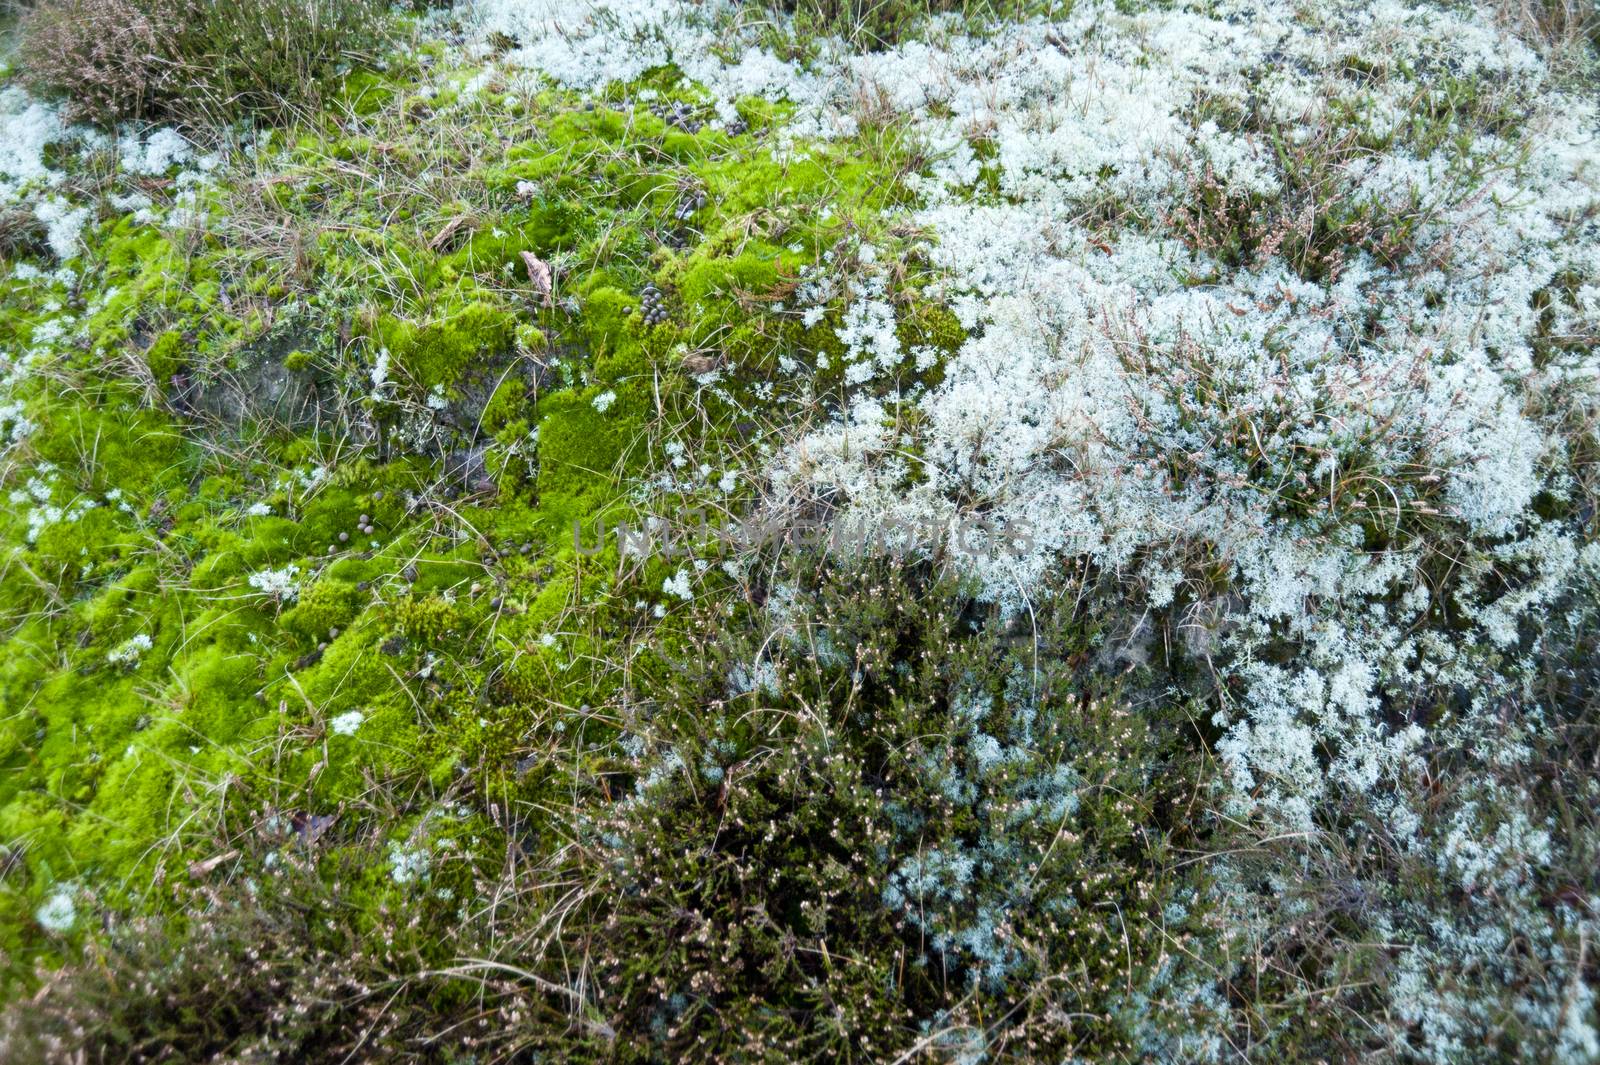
(1560, 25)
(271, 55)
(307, 950)
(21, 233)
(102, 55)
(870, 820)
(244, 978)
(194, 59)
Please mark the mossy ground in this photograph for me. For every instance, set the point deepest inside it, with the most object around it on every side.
(295, 576)
(338, 722)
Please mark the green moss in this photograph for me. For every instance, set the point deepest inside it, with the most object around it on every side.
(164, 356)
(323, 607)
(616, 335)
(583, 451)
(477, 665)
(426, 620)
(436, 353)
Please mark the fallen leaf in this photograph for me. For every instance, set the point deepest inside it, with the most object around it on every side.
(310, 827)
(540, 276)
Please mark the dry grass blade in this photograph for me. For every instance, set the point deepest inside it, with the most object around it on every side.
(451, 234)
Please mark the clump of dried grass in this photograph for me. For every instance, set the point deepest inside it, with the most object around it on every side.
(194, 60)
(1564, 27)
